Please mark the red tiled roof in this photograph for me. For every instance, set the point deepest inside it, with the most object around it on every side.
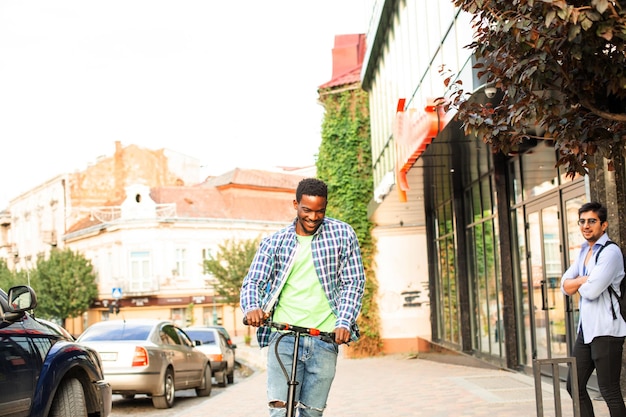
(84, 223)
(212, 203)
(351, 77)
(238, 195)
(254, 178)
(193, 202)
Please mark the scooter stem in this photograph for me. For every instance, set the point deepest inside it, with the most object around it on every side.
(291, 392)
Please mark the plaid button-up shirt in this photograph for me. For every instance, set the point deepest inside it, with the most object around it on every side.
(338, 263)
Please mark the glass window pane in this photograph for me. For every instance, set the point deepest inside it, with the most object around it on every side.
(486, 194)
(538, 171)
(516, 176)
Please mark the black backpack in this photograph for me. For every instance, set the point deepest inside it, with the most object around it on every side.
(622, 287)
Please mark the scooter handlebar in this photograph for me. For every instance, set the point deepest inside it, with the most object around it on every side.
(296, 329)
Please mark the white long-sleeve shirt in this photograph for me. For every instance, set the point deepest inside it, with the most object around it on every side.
(596, 316)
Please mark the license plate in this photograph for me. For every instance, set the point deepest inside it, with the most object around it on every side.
(108, 356)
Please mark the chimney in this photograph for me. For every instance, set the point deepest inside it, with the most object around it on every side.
(348, 53)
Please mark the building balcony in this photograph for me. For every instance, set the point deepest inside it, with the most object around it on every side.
(140, 288)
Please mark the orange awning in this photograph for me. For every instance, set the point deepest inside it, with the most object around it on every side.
(413, 131)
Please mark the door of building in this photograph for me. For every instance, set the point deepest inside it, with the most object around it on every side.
(573, 240)
(545, 268)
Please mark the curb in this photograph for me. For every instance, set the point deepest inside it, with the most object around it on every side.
(251, 356)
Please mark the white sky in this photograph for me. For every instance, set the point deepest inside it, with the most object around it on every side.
(232, 83)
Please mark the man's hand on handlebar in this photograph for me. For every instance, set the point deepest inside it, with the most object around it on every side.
(342, 335)
(256, 317)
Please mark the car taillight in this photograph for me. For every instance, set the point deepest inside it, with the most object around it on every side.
(140, 358)
(215, 358)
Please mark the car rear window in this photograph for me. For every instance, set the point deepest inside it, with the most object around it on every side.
(100, 333)
(207, 338)
(222, 331)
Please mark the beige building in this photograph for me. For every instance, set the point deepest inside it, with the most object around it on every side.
(149, 250)
(146, 232)
(36, 220)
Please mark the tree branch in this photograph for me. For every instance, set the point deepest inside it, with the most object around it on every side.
(616, 117)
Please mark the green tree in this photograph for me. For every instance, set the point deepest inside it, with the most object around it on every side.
(229, 267)
(65, 284)
(561, 69)
(345, 164)
(7, 277)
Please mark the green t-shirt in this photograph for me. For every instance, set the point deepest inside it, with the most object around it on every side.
(303, 301)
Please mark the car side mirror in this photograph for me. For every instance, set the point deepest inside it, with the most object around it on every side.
(197, 343)
(22, 298)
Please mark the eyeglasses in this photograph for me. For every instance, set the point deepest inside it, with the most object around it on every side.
(590, 222)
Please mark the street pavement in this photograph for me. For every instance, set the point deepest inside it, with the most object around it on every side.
(433, 385)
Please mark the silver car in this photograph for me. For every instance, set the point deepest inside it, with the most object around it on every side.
(152, 357)
(215, 346)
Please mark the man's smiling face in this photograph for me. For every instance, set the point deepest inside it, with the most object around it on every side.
(310, 213)
(591, 227)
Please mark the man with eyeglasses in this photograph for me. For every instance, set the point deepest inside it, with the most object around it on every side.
(600, 336)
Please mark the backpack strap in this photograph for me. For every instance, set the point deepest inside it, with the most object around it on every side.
(612, 292)
(608, 242)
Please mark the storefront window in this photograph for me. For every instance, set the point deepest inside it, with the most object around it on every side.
(515, 174)
(484, 281)
(538, 173)
(449, 299)
(447, 274)
(523, 286)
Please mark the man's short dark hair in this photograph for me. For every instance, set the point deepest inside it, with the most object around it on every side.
(596, 207)
(311, 186)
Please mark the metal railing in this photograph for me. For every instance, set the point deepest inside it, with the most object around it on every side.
(556, 383)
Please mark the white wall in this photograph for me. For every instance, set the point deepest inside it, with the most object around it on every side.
(37, 223)
(401, 266)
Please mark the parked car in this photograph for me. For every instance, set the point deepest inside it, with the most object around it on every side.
(215, 346)
(57, 328)
(43, 372)
(225, 333)
(152, 357)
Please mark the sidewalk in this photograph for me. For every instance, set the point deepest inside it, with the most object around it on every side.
(399, 386)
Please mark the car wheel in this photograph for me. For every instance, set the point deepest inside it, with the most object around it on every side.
(207, 383)
(231, 376)
(69, 400)
(221, 378)
(166, 400)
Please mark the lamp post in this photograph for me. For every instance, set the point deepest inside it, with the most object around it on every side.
(214, 309)
(213, 284)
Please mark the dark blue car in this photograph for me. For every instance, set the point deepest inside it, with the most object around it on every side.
(43, 372)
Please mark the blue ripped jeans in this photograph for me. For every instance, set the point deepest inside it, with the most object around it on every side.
(317, 361)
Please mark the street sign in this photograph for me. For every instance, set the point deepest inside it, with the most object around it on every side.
(116, 293)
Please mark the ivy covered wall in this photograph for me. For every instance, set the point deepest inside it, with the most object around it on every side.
(345, 164)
